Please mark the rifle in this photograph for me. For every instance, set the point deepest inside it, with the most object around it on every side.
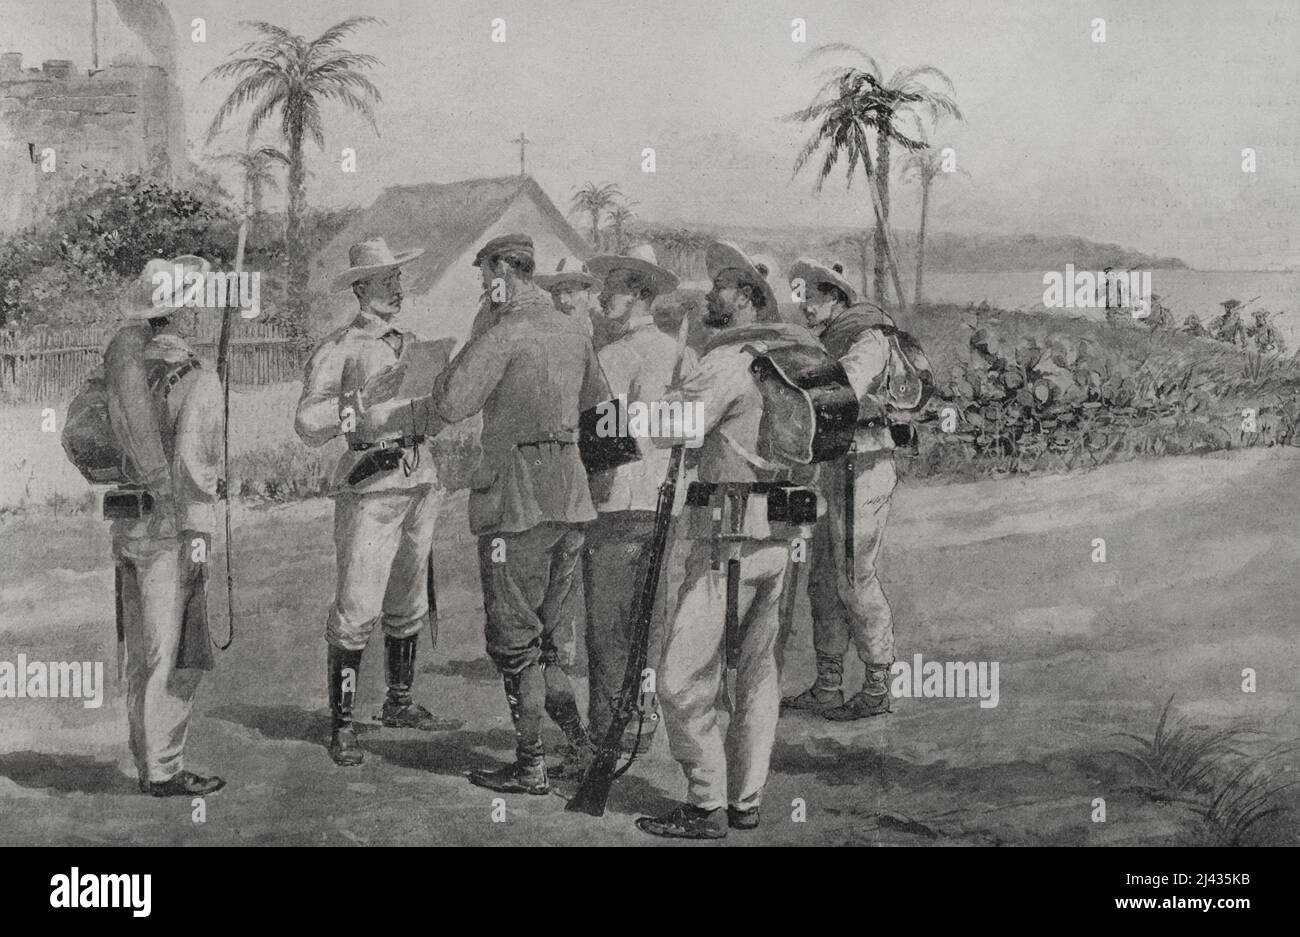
(593, 792)
(223, 374)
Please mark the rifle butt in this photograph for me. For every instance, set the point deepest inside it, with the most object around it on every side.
(593, 793)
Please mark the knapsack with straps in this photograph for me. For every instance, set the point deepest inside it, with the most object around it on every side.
(89, 439)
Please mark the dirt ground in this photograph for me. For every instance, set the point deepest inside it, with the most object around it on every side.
(1198, 584)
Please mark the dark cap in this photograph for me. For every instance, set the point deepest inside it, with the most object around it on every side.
(505, 244)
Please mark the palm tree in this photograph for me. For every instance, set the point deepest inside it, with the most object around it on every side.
(286, 73)
(594, 200)
(255, 166)
(923, 166)
(864, 97)
(619, 216)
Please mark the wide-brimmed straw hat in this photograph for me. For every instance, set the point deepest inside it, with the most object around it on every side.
(143, 299)
(640, 259)
(570, 273)
(814, 274)
(369, 258)
(723, 255)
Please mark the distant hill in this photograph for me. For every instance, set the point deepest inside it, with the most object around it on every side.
(681, 247)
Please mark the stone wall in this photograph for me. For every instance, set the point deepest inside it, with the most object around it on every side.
(124, 118)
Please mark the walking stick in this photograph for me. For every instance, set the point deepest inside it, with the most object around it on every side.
(223, 374)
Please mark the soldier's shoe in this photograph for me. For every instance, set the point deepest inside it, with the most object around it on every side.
(345, 747)
(398, 715)
(814, 699)
(741, 819)
(185, 784)
(514, 778)
(575, 758)
(860, 706)
(685, 821)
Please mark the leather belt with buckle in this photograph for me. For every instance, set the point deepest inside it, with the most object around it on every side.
(402, 442)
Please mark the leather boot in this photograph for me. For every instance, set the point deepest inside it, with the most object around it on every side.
(400, 709)
(872, 700)
(345, 749)
(525, 694)
(562, 707)
(825, 693)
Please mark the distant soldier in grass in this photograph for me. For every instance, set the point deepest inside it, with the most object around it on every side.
(1192, 326)
(1268, 340)
(1229, 327)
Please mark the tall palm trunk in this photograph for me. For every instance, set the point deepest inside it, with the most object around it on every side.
(920, 239)
(595, 228)
(296, 249)
(864, 254)
(882, 186)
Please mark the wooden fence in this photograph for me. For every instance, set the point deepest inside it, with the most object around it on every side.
(49, 365)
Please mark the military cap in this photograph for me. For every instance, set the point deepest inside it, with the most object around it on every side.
(505, 244)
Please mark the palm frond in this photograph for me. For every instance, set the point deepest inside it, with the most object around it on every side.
(244, 93)
(339, 31)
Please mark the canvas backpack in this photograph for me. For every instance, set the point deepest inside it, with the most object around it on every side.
(89, 439)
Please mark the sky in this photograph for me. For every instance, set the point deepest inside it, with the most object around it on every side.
(1137, 140)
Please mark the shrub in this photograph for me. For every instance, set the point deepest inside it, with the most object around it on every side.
(1030, 393)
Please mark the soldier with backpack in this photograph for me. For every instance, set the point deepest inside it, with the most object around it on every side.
(163, 523)
(844, 589)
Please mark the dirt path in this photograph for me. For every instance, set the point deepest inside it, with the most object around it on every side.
(1198, 584)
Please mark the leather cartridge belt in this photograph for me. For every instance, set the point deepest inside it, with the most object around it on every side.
(561, 436)
(402, 442)
(764, 510)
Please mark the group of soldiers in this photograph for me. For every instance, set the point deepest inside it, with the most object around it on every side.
(549, 533)
(1227, 327)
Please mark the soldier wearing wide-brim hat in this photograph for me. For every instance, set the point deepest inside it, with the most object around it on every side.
(846, 598)
(814, 275)
(727, 770)
(385, 494)
(638, 358)
(570, 288)
(724, 257)
(169, 420)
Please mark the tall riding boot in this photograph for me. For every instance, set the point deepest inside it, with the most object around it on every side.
(825, 693)
(526, 695)
(562, 707)
(400, 709)
(872, 700)
(344, 666)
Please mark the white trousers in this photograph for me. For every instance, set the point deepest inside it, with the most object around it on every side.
(381, 544)
(732, 767)
(159, 696)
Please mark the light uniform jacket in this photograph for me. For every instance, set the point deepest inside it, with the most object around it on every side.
(639, 365)
(343, 362)
(530, 374)
(192, 431)
(864, 354)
